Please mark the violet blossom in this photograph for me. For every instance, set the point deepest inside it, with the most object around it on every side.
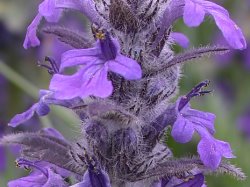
(190, 120)
(194, 11)
(91, 79)
(42, 107)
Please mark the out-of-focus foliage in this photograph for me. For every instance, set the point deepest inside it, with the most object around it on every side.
(230, 81)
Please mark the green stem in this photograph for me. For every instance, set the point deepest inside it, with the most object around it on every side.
(18, 80)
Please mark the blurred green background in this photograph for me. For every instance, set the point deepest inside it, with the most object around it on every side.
(21, 78)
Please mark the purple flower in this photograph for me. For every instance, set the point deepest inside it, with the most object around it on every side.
(180, 39)
(52, 10)
(41, 109)
(39, 177)
(92, 79)
(189, 121)
(194, 13)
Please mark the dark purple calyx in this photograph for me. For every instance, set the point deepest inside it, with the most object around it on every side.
(43, 109)
(108, 48)
(97, 178)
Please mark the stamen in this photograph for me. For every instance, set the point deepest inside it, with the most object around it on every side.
(52, 68)
(28, 164)
(100, 35)
(196, 91)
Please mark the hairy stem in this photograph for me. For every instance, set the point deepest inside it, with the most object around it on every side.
(187, 56)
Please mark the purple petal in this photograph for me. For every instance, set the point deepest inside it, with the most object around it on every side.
(54, 180)
(209, 153)
(39, 180)
(180, 39)
(126, 67)
(47, 7)
(193, 13)
(70, 4)
(205, 119)
(197, 117)
(183, 130)
(66, 87)
(225, 149)
(92, 80)
(48, 10)
(87, 7)
(211, 150)
(34, 179)
(195, 10)
(231, 32)
(79, 57)
(20, 118)
(95, 82)
(31, 39)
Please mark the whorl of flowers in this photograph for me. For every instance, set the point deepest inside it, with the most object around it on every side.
(126, 74)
